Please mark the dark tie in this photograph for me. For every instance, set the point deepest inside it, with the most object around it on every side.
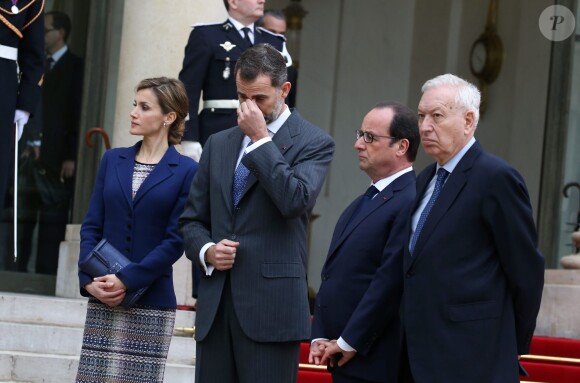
(240, 179)
(247, 35)
(441, 177)
(48, 64)
(364, 202)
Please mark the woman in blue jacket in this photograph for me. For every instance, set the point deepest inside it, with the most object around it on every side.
(139, 194)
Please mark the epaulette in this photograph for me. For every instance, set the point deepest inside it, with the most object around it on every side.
(262, 29)
(203, 24)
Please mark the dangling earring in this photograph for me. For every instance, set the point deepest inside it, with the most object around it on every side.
(164, 124)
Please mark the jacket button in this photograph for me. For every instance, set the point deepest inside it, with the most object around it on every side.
(129, 227)
(325, 277)
(233, 237)
(129, 238)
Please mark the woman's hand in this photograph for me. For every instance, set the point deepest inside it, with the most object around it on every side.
(108, 289)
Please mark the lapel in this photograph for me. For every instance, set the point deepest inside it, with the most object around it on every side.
(233, 36)
(347, 226)
(453, 186)
(59, 65)
(162, 171)
(124, 171)
(258, 36)
(230, 151)
(283, 139)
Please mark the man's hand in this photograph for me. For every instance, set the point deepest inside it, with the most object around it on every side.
(68, 169)
(251, 120)
(222, 255)
(333, 349)
(20, 119)
(317, 350)
(191, 149)
(108, 289)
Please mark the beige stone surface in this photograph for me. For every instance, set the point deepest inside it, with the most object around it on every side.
(562, 277)
(571, 261)
(560, 312)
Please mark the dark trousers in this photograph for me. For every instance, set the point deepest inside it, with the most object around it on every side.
(340, 378)
(405, 375)
(227, 355)
(51, 221)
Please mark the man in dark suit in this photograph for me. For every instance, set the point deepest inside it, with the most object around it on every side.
(473, 275)
(210, 57)
(387, 146)
(52, 140)
(275, 22)
(245, 226)
(21, 46)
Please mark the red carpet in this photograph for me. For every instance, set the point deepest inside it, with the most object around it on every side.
(553, 360)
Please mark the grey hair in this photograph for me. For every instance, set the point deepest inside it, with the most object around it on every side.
(467, 96)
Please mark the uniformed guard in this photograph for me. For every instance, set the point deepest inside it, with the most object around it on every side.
(21, 71)
(210, 57)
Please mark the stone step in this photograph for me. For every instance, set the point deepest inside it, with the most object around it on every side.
(67, 312)
(24, 367)
(46, 333)
(55, 340)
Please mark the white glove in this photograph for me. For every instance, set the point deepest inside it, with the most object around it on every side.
(20, 119)
(191, 149)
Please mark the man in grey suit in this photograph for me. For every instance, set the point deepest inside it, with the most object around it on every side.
(245, 226)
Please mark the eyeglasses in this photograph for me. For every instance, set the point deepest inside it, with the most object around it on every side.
(370, 137)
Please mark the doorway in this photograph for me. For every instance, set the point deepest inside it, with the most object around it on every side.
(56, 167)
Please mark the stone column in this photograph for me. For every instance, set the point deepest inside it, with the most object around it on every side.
(153, 41)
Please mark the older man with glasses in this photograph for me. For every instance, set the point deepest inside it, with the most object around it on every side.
(364, 265)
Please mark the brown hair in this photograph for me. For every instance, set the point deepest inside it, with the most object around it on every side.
(172, 97)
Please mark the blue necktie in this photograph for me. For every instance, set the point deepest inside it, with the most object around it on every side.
(240, 179)
(441, 176)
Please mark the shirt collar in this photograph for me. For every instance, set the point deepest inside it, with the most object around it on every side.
(239, 26)
(59, 53)
(381, 184)
(452, 163)
(275, 125)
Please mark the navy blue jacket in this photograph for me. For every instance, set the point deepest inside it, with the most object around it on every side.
(210, 50)
(360, 293)
(472, 287)
(145, 228)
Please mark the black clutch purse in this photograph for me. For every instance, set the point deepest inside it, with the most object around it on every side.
(105, 259)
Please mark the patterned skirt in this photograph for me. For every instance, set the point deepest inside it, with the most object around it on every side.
(125, 346)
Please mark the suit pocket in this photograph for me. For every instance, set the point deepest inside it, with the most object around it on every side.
(283, 270)
(474, 311)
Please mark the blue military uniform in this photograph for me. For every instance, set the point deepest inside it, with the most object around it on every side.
(22, 49)
(210, 59)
